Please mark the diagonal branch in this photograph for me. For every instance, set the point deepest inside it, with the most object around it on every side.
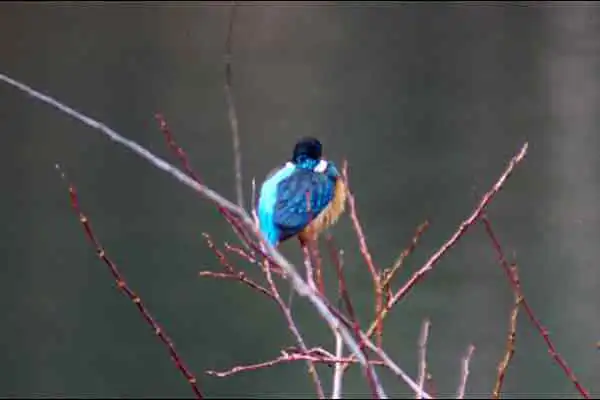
(529, 311)
(299, 285)
(124, 287)
(364, 249)
(462, 229)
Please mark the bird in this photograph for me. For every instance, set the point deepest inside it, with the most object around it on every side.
(302, 197)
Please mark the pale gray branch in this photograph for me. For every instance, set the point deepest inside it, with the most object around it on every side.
(292, 274)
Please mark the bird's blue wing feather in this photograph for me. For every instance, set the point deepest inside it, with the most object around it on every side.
(267, 201)
(301, 197)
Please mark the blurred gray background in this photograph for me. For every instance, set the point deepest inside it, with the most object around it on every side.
(427, 102)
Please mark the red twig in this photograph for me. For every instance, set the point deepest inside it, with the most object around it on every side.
(231, 273)
(530, 314)
(125, 289)
(287, 313)
(388, 275)
(235, 277)
(242, 253)
(364, 249)
(252, 258)
(510, 341)
(183, 159)
(462, 229)
(314, 355)
(316, 256)
(343, 289)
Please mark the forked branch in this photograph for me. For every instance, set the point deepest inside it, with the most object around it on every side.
(124, 287)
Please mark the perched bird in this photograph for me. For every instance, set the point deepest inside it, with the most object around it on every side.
(301, 198)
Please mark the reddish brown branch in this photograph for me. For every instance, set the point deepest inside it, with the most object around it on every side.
(231, 273)
(183, 159)
(364, 249)
(389, 273)
(388, 276)
(318, 356)
(251, 258)
(343, 290)
(318, 262)
(287, 313)
(510, 341)
(126, 290)
(462, 229)
(236, 276)
(530, 314)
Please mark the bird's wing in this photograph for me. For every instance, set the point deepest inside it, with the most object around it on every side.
(300, 199)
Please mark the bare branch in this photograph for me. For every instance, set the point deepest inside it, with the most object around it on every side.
(315, 355)
(295, 331)
(299, 285)
(462, 229)
(464, 374)
(513, 279)
(124, 287)
(510, 341)
(338, 372)
(423, 354)
(364, 250)
(233, 120)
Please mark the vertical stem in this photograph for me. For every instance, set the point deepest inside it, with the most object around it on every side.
(233, 120)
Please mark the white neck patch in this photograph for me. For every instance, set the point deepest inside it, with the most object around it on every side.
(321, 166)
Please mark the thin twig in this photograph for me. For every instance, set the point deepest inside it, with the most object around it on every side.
(462, 229)
(529, 311)
(233, 120)
(299, 285)
(388, 275)
(510, 341)
(295, 331)
(338, 372)
(187, 166)
(423, 355)
(364, 249)
(231, 273)
(310, 273)
(312, 355)
(318, 262)
(394, 367)
(464, 372)
(235, 277)
(126, 290)
(343, 290)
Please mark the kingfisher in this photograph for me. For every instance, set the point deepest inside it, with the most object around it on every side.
(301, 198)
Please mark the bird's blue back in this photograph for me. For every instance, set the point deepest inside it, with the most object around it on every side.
(291, 198)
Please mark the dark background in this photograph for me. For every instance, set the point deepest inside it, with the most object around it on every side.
(427, 101)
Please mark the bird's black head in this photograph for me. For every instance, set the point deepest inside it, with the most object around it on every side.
(307, 148)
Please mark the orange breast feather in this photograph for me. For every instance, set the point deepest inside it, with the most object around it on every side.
(328, 216)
